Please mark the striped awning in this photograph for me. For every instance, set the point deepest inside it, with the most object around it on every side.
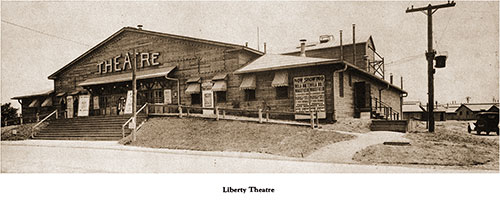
(193, 88)
(221, 76)
(193, 80)
(280, 79)
(219, 86)
(249, 82)
(47, 102)
(33, 103)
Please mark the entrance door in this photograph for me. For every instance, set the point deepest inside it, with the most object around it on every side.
(362, 93)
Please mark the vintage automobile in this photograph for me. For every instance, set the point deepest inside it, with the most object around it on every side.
(486, 122)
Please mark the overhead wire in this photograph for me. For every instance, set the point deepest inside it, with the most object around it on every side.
(44, 33)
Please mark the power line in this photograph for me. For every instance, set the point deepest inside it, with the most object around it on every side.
(44, 33)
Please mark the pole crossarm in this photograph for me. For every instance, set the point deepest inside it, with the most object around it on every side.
(436, 7)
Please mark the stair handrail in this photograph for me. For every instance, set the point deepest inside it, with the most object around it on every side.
(43, 120)
(384, 105)
(130, 119)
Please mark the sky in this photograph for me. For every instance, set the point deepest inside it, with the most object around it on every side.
(39, 38)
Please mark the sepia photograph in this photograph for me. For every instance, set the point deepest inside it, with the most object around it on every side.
(252, 89)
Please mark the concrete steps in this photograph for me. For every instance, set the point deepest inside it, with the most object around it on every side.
(87, 128)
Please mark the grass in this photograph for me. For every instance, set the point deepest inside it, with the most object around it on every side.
(210, 135)
(449, 145)
(23, 131)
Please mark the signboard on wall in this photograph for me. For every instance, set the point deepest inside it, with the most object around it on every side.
(309, 96)
(69, 106)
(96, 102)
(167, 96)
(208, 101)
(83, 105)
(128, 102)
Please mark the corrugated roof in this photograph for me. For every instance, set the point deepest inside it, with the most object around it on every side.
(412, 108)
(277, 62)
(40, 93)
(329, 44)
(146, 74)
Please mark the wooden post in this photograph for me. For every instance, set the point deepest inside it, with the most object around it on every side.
(187, 111)
(312, 120)
(57, 114)
(260, 115)
(21, 119)
(147, 109)
(216, 113)
(223, 113)
(317, 117)
(180, 111)
(267, 115)
(37, 117)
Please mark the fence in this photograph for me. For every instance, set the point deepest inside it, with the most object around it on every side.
(218, 113)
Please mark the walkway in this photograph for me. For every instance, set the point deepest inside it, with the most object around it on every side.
(342, 152)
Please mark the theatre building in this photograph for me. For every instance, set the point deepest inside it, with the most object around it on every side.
(339, 81)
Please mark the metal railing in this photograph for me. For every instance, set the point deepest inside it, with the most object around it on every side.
(132, 118)
(263, 115)
(388, 112)
(41, 121)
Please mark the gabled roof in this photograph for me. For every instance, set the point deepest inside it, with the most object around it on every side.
(478, 106)
(132, 29)
(40, 93)
(330, 44)
(412, 108)
(270, 62)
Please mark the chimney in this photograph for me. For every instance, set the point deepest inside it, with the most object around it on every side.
(139, 27)
(391, 78)
(303, 47)
(265, 47)
(354, 44)
(246, 44)
(401, 82)
(341, 48)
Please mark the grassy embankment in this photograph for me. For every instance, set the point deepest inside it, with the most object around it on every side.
(210, 135)
(450, 145)
(23, 131)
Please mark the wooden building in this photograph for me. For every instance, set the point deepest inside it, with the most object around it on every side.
(469, 111)
(174, 69)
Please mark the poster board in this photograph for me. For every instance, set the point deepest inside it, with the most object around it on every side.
(128, 102)
(83, 105)
(96, 102)
(208, 101)
(69, 106)
(309, 95)
(167, 96)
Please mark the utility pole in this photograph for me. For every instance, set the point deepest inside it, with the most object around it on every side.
(430, 54)
(134, 96)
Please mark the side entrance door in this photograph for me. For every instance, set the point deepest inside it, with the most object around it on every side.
(362, 97)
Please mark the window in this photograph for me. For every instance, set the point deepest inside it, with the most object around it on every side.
(341, 84)
(158, 96)
(195, 99)
(350, 79)
(249, 95)
(221, 96)
(282, 92)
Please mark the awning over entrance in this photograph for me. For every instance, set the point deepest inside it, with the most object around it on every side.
(146, 74)
(249, 82)
(34, 103)
(280, 79)
(47, 102)
(219, 86)
(193, 88)
(221, 76)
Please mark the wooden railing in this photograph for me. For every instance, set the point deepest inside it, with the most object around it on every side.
(41, 121)
(388, 112)
(221, 112)
(132, 118)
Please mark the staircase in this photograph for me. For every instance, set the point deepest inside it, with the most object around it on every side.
(87, 128)
(382, 110)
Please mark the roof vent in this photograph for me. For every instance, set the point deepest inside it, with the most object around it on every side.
(139, 27)
(303, 47)
(325, 38)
